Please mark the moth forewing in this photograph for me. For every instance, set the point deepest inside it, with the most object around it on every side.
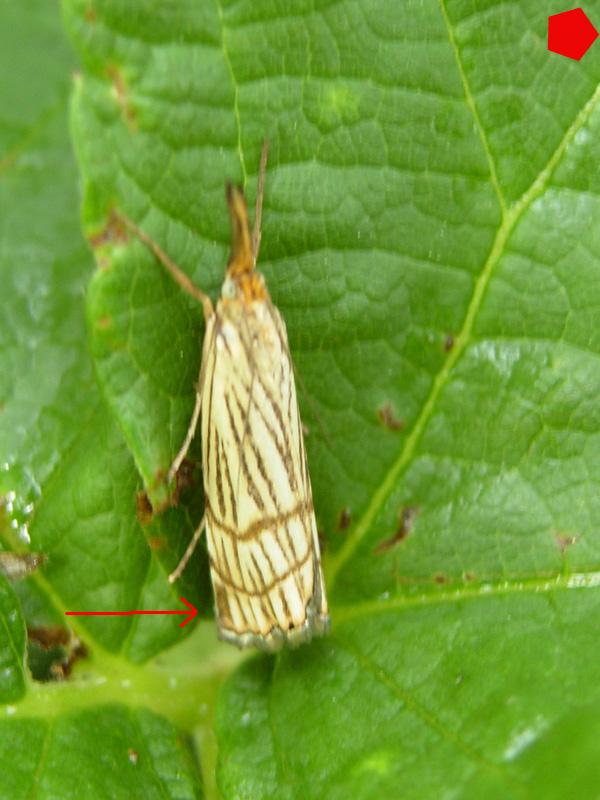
(262, 536)
(261, 530)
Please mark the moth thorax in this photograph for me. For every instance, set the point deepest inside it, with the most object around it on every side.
(247, 287)
(230, 289)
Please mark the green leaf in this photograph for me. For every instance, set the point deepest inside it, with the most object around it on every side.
(131, 754)
(429, 236)
(12, 646)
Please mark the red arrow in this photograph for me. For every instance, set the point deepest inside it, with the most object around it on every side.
(190, 613)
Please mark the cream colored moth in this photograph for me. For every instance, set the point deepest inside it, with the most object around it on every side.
(260, 524)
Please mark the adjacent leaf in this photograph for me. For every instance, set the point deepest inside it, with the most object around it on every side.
(68, 483)
(131, 754)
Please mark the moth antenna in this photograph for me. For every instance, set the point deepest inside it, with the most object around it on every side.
(260, 190)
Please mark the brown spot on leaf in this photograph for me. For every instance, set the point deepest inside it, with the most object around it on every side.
(90, 14)
(143, 508)
(120, 91)
(156, 542)
(448, 342)
(344, 519)
(469, 576)
(406, 519)
(113, 232)
(132, 755)
(160, 479)
(439, 578)
(564, 541)
(387, 416)
(103, 323)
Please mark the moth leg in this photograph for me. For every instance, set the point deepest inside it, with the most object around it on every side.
(176, 273)
(188, 552)
(183, 450)
(260, 190)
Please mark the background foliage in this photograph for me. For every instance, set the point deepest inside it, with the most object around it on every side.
(429, 238)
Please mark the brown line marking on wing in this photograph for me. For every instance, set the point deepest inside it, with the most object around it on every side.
(223, 560)
(286, 608)
(288, 462)
(283, 343)
(302, 451)
(237, 559)
(261, 544)
(242, 458)
(208, 426)
(223, 604)
(285, 347)
(227, 579)
(219, 456)
(301, 509)
(258, 593)
(263, 472)
(285, 454)
(289, 538)
(275, 407)
(232, 499)
(267, 587)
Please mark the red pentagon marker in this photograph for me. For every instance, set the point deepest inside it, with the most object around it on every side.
(571, 33)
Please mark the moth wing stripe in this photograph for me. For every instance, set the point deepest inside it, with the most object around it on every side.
(302, 510)
(274, 405)
(266, 587)
(232, 499)
(285, 453)
(242, 459)
(206, 435)
(263, 473)
(219, 458)
(264, 594)
(279, 416)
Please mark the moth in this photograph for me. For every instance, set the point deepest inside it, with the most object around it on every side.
(262, 539)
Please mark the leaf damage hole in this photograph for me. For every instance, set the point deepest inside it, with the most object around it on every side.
(52, 652)
(120, 94)
(406, 519)
(389, 419)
